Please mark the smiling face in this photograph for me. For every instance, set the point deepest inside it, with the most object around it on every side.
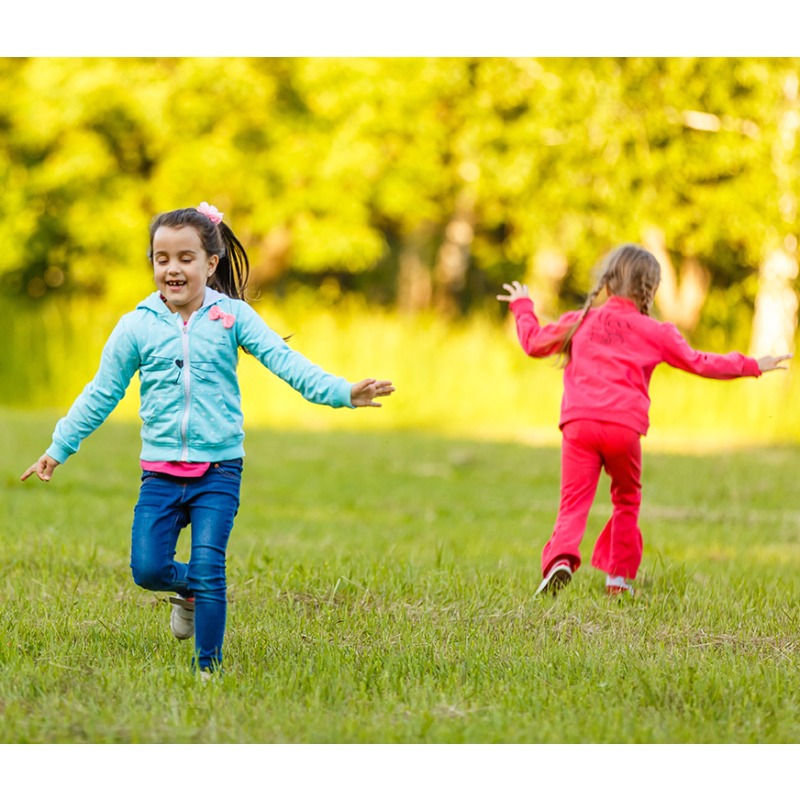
(181, 268)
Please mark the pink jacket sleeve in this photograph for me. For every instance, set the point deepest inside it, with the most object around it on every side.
(538, 341)
(677, 353)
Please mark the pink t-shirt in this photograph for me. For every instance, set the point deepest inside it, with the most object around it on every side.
(180, 469)
(614, 353)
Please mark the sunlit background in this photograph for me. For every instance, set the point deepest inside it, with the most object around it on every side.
(384, 202)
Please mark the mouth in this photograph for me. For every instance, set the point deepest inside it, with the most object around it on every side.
(176, 286)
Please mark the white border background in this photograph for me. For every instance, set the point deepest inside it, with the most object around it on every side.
(411, 28)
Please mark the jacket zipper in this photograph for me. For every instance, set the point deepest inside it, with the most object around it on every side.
(187, 390)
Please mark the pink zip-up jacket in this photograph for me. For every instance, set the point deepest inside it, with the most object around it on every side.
(614, 353)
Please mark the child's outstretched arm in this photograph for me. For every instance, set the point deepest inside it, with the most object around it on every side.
(118, 364)
(536, 341)
(677, 352)
(314, 383)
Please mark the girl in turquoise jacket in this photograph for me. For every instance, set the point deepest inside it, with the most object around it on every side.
(184, 341)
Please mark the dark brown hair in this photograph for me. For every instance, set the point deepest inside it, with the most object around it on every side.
(233, 270)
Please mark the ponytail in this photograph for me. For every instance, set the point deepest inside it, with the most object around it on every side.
(233, 271)
(565, 351)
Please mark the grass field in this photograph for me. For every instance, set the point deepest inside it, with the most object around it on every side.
(381, 590)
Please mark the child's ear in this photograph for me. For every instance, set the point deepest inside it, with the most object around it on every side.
(212, 265)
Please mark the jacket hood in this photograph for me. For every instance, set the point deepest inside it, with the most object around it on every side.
(153, 302)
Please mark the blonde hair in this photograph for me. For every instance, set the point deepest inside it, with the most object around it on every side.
(627, 271)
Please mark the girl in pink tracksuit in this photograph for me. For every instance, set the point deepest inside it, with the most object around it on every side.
(609, 354)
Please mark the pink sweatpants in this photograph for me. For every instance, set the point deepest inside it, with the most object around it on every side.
(587, 447)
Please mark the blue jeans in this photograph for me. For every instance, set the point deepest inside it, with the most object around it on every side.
(166, 505)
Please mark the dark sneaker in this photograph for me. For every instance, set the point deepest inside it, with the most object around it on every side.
(557, 578)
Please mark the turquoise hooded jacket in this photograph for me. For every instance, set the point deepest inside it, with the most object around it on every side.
(190, 400)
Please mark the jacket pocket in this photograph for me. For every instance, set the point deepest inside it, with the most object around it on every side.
(161, 411)
(213, 421)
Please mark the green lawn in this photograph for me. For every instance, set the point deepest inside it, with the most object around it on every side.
(381, 589)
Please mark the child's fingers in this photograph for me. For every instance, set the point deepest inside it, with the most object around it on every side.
(379, 387)
(515, 290)
(362, 393)
(770, 363)
(41, 470)
(28, 472)
(775, 362)
(384, 388)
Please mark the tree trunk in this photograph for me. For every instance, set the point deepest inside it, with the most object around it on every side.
(775, 317)
(271, 257)
(679, 303)
(544, 278)
(452, 260)
(414, 285)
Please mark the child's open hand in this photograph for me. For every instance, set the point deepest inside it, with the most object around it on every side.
(363, 392)
(516, 291)
(43, 468)
(769, 363)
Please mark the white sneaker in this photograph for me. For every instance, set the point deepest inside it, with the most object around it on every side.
(616, 584)
(557, 578)
(181, 618)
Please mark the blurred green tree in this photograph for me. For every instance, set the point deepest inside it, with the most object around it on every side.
(421, 182)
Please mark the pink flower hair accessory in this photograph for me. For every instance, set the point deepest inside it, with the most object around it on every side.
(212, 212)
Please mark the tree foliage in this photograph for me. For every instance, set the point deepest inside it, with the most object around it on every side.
(474, 169)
